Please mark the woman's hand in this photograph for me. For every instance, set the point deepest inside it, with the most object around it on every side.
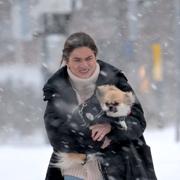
(99, 131)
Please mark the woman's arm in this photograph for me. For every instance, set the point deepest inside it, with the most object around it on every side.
(56, 124)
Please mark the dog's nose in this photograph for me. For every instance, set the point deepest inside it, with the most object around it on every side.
(112, 109)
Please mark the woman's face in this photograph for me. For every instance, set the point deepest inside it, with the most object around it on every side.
(82, 62)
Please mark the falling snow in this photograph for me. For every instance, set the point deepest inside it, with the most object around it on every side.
(29, 55)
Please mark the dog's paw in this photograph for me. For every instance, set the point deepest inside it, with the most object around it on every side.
(122, 125)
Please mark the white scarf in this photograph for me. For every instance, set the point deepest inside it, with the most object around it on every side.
(84, 88)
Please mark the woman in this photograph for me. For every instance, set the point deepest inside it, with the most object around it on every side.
(124, 155)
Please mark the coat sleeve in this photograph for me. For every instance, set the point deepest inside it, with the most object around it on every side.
(135, 121)
(56, 125)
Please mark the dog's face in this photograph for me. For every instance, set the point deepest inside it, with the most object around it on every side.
(114, 101)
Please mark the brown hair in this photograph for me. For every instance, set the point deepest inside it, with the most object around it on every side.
(76, 40)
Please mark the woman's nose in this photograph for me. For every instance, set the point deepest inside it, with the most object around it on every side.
(84, 64)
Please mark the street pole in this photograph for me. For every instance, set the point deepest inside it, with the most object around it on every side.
(132, 19)
(177, 63)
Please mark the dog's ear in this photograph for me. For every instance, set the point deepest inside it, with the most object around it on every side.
(129, 98)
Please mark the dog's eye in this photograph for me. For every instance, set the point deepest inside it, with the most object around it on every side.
(115, 103)
(107, 104)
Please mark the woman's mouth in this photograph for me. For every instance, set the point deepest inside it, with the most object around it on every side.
(84, 71)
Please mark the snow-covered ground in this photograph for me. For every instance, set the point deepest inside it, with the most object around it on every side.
(166, 153)
(30, 163)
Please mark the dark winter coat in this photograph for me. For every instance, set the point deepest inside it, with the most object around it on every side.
(127, 158)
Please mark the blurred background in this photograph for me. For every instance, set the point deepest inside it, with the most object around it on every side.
(141, 37)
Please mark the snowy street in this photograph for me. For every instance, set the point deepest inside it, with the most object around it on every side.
(30, 163)
(165, 153)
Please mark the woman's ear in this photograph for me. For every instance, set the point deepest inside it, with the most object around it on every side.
(63, 62)
(67, 65)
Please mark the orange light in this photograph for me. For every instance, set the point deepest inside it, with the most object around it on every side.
(157, 62)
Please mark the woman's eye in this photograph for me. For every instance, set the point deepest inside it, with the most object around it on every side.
(89, 59)
(77, 60)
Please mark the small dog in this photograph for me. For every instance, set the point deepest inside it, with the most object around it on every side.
(115, 103)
